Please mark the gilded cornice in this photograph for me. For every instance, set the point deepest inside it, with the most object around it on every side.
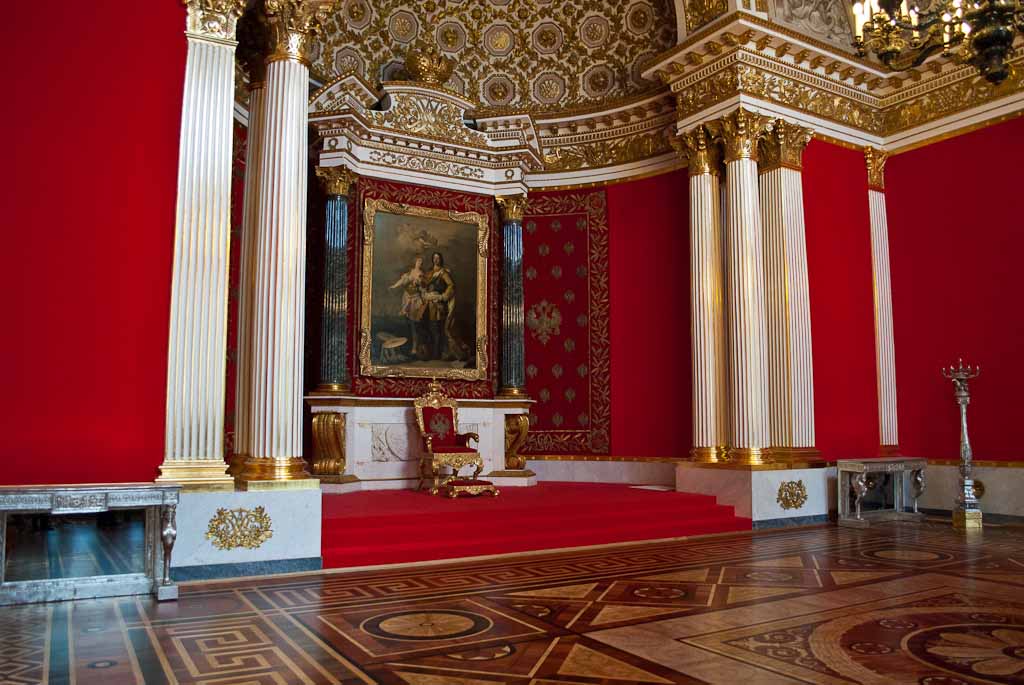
(512, 207)
(875, 160)
(421, 114)
(213, 18)
(702, 153)
(336, 180)
(294, 25)
(784, 146)
(740, 132)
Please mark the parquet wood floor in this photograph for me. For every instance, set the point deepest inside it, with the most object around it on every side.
(899, 603)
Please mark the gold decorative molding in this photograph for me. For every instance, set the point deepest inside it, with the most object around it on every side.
(513, 207)
(213, 18)
(875, 160)
(235, 528)
(328, 446)
(784, 146)
(294, 25)
(424, 63)
(201, 475)
(702, 12)
(337, 180)
(703, 156)
(517, 426)
(630, 147)
(739, 132)
(792, 494)
(435, 117)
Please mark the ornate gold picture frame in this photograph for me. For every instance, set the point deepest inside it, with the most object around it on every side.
(424, 292)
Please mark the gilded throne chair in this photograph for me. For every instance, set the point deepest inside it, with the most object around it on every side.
(437, 417)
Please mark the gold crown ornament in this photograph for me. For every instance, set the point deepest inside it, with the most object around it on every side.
(425, 64)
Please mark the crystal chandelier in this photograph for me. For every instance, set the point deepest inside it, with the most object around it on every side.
(975, 32)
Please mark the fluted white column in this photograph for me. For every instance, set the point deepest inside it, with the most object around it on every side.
(749, 431)
(885, 349)
(194, 434)
(247, 280)
(707, 305)
(278, 314)
(790, 369)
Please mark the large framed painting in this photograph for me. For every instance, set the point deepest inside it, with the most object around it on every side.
(424, 292)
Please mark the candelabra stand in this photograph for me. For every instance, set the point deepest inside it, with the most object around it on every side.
(967, 514)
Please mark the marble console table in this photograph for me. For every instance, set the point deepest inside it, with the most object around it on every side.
(160, 503)
(372, 443)
(854, 476)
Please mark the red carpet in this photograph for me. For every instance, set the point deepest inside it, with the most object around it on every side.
(393, 526)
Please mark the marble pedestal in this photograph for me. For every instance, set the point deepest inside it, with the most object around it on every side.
(294, 519)
(772, 495)
(383, 446)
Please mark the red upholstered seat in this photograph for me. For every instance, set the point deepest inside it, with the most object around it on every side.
(439, 423)
(453, 449)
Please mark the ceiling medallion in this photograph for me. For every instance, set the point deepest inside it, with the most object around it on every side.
(498, 90)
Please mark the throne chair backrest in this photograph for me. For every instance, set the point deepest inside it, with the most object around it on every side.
(437, 415)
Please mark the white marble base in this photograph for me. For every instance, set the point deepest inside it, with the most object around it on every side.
(754, 493)
(1003, 486)
(511, 481)
(634, 472)
(295, 521)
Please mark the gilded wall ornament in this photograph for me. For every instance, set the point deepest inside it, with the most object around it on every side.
(544, 321)
(433, 117)
(328, 445)
(609, 152)
(234, 528)
(875, 160)
(784, 146)
(213, 18)
(702, 12)
(792, 494)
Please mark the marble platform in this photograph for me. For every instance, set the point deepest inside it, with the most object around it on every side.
(633, 471)
(294, 519)
(1002, 487)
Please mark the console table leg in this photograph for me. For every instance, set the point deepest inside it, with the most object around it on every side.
(917, 482)
(168, 534)
(860, 488)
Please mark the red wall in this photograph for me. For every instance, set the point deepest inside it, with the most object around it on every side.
(650, 316)
(89, 184)
(842, 307)
(955, 250)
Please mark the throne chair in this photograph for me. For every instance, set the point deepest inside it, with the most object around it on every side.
(437, 417)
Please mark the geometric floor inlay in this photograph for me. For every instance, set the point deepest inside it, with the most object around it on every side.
(896, 603)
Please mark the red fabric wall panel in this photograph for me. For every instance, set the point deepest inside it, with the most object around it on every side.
(842, 306)
(650, 316)
(89, 195)
(956, 283)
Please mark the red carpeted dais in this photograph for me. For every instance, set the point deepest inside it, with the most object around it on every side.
(394, 526)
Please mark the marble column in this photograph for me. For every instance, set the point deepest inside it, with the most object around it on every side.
(747, 334)
(788, 306)
(513, 366)
(885, 350)
(334, 377)
(707, 299)
(278, 320)
(252, 52)
(196, 358)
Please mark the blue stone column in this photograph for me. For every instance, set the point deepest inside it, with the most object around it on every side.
(513, 366)
(333, 348)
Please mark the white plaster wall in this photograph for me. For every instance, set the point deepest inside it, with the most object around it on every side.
(632, 472)
(1003, 489)
(819, 483)
(295, 520)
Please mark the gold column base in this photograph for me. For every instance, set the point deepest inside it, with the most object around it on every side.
(332, 389)
(236, 464)
(749, 456)
(511, 473)
(889, 451)
(790, 455)
(274, 470)
(709, 455)
(337, 479)
(967, 520)
(517, 393)
(197, 474)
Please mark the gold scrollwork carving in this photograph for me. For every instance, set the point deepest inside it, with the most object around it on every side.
(432, 117)
(875, 160)
(234, 528)
(328, 445)
(740, 131)
(603, 153)
(784, 146)
(702, 12)
(792, 494)
(517, 426)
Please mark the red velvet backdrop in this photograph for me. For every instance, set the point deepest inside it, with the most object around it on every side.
(956, 283)
(842, 306)
(89, 199)
(650, 281)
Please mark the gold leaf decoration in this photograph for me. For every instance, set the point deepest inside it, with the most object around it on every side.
(792, 494)
(234, 528)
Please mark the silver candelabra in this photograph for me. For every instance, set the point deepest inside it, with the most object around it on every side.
(967, 514)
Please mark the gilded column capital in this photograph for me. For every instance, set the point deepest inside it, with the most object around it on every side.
(875, 159)
(294, 25)
(213, 18)
(336, 179)
(513, 207)
(740, 132)
(701, 152)
(784, 146)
